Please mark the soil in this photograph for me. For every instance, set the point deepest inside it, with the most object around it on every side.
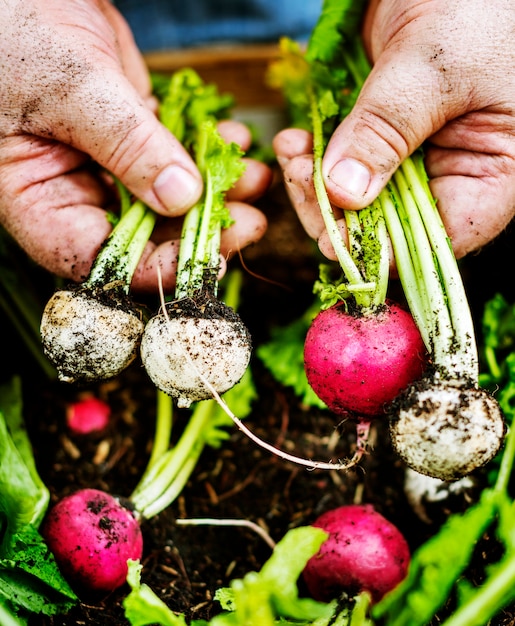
(184, 565)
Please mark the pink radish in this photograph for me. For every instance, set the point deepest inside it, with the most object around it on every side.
(92, 535)
(87, 415)
(358, 363)
(363, 552)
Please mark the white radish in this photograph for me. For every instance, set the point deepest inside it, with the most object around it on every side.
(86, 339)
(193, 342)
(446, 431)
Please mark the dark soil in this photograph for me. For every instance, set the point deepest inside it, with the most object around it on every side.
(185, 565)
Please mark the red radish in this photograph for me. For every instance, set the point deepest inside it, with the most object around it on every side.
(89, 414)
(364, 552)
(92, 535)
(358, 363)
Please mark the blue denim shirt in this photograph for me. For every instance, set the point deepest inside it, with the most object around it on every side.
(166, 24)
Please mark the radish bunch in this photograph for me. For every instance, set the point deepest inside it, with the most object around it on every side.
(92, 332)
(196, 346)
(442, 424)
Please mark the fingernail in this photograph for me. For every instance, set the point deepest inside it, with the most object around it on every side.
(176, 188)
(351, 176)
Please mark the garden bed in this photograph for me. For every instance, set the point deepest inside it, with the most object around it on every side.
(185, 565)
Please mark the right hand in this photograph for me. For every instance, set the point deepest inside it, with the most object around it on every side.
(442, 74)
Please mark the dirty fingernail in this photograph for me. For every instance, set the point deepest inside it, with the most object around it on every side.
(351, 176)
(177, 188)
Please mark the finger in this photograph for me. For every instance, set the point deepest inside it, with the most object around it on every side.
(146, 278)
(253, 183)
(474, 208)
(294, 150)
(233, 131)
(249, 226)
(49, 202)
(291, 143)
(375, 137)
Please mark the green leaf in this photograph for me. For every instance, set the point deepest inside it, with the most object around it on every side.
(186, 102)
(23, 496)
(30, 581)
(283, 356)
(29, 576)
(282, 570)
(339, 18)
(142, 606)
(270, 596)
(436, 566)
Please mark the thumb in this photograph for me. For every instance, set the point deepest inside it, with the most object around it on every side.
(395, 112)
(76, 91)
(117, 129)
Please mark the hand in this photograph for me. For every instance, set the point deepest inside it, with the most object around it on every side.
(442, 74)
(76, 96)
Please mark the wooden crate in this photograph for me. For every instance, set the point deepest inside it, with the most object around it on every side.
(237, 69)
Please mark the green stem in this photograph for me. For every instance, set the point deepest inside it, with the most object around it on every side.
(408, 271)
(113, 261)
(488, 599)
(440, 328)
(175, 487)
(375, 249)
(165, 470)
(492, 363)
(184, 263)
(164, 410)
(349, 268)
(202, 256)
(505, 469)
(125, 197)
(464, 349)
(137, 245)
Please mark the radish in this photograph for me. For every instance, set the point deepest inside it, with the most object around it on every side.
(361, 350)
(363, 552)
(359, 362)
(92, 535)
(194, 341)
(443, 425)
(92, 332)
(87, 415)
(195, 344)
